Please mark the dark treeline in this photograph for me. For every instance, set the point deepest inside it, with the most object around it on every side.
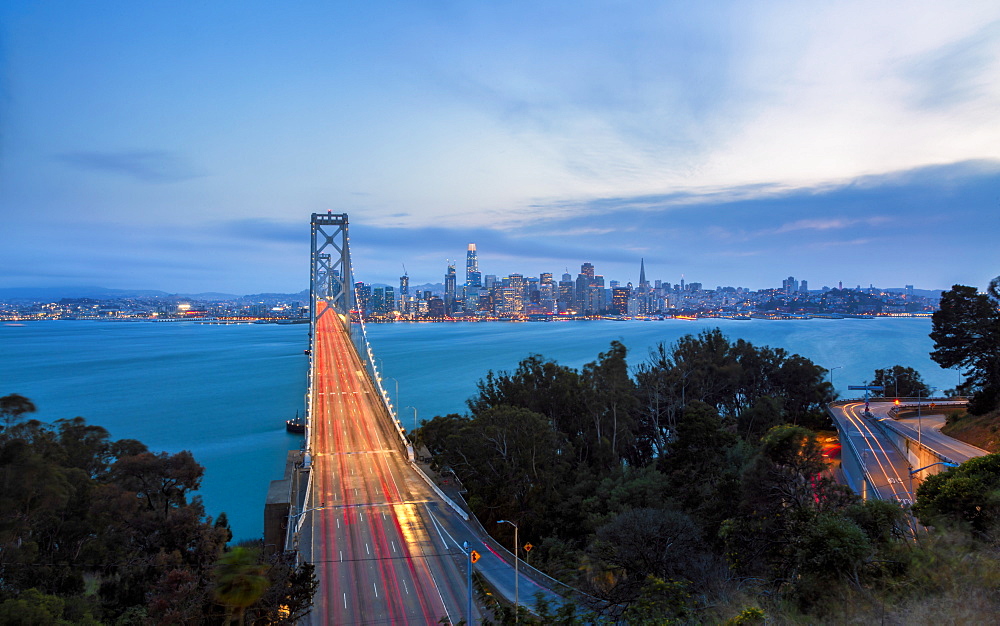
(693, 488)
(95, 531)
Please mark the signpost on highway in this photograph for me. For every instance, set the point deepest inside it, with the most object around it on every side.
(866, 389)
(473, 557)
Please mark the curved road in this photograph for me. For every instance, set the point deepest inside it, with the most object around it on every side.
(927, 430)
(887, 469)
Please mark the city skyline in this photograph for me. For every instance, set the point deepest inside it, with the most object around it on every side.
(183, 147)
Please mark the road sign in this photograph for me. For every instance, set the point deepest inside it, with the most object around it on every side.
(474, 556)
(866, 387)
(528, 547)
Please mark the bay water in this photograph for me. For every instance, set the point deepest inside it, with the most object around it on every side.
(224, 391)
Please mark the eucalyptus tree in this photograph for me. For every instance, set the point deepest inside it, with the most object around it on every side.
(966, 334)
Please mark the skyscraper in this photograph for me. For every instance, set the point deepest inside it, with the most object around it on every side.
(473, 277)
(449, 289)
(404, 293)
(643, 294)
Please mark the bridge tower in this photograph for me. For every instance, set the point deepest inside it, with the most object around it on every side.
(330, 272)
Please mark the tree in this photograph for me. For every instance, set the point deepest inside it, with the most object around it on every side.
(12, 409)
(240, 580)
(902, 382)
(966, 334)
(611, 405)
(968, 496)
(649, 542)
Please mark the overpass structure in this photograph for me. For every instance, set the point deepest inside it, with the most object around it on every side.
(388, 545)
(886, 458)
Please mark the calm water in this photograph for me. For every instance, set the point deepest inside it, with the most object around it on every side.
(223, 392)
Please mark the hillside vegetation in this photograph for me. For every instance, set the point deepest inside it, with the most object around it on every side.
(95, 531)
(694, 489)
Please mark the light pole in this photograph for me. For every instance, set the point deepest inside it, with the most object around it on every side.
(516, 576)
(397, 394)
(837, 367)
(930, 390)
(414, 416)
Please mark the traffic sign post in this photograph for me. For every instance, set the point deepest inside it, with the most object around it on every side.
(473, 557)
(866, 389)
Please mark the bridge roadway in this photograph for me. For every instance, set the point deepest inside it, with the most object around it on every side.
(387, 549)
(369, 538)
(887, 468)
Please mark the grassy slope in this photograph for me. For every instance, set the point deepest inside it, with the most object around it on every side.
(979, 430)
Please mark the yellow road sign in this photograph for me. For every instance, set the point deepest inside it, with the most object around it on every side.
(474, 556)
(528, 547)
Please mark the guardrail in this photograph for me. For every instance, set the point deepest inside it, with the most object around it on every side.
(869, 486)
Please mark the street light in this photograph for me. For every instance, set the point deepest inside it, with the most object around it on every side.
(414, 416)
(837, 367)
(516, 576)
(397, 394)
(919, 430)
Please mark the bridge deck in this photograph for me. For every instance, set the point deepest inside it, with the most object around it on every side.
(375, 558)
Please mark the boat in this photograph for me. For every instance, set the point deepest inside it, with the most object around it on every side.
(296, 425)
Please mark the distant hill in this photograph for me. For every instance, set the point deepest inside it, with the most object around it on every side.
(58, 293)
(54, 294)
(923, 293)
(302, 295)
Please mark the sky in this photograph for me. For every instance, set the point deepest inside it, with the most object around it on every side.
(183, 146)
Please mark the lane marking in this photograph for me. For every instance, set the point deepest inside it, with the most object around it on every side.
(439, 528)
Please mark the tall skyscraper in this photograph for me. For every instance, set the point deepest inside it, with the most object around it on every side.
(473, 277)
(619, 300)
(363, 295)
(587, 269)
(449, 289)
(404, 293)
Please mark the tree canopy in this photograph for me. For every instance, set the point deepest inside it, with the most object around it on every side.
(95, 530)
(902, 382)
(966, 334)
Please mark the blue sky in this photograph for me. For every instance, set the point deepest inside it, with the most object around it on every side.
(182, 146)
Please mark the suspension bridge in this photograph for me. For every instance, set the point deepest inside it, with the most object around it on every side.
(388, 545)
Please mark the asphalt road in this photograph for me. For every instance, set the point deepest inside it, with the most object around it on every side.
(927, 430)
(887, 468)
(370, 536)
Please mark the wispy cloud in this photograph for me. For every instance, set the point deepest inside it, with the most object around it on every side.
(148, 166)
(958, 72)
(830, 224)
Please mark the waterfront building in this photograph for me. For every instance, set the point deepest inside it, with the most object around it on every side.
(363, 295)
(619, 300)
